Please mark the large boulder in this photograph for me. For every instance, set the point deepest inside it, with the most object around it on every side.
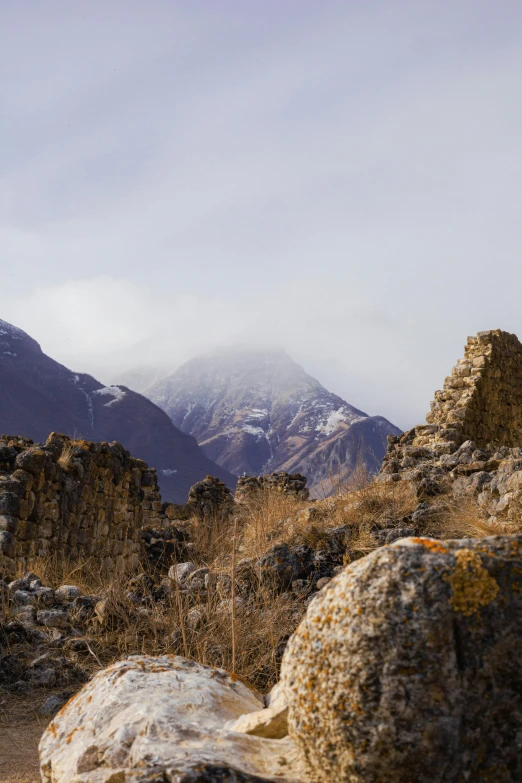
(406, 667)
(145, 720)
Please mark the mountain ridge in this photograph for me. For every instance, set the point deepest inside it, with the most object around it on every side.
(39, 395)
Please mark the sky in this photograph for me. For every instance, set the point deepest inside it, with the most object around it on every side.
(342, 179)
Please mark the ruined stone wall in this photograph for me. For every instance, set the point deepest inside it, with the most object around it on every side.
(482, 399)
(472, 444)
(73, 499)
(289, 484)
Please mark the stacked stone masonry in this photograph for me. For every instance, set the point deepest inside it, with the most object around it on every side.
(482, 399)
(289, 484)
(472, 442)
(73, 499)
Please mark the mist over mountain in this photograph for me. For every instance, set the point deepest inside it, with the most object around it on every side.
(255, 410)
(39, 395)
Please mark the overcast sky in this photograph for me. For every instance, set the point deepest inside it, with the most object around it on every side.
(343, 179)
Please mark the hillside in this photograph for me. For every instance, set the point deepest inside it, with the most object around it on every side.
(256, 411)
(39, 395)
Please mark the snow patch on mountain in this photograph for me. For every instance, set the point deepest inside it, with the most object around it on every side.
(258, 432)
(112, 391)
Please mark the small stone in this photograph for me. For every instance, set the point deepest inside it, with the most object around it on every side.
(322, 582)
(67, 593)
(51, 706)
(270, 723)
(54, 618)
(23, 597)
(180, 572)
(43, 678)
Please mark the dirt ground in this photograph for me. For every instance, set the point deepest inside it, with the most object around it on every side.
(21, 727)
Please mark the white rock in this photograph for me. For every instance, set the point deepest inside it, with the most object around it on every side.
(68, 593)
(163, 717)
(271, 723)
(180, 572)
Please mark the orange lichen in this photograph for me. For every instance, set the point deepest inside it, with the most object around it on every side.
(472, 586)
(431, 545)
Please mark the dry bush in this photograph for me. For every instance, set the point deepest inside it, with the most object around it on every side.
(262, 519)
(64, 460)
(462, 517)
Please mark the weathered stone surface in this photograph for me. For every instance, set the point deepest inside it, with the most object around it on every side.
(272, 723)
(289, 484)
(180, 572)
(161, 719)
(406, 666)
(472, 444)
(74, 499)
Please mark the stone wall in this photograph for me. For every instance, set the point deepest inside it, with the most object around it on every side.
(482, 399)
(472, 443)
(289, 484)
(73, 499)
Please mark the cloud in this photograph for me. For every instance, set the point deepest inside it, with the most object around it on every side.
(339, 179)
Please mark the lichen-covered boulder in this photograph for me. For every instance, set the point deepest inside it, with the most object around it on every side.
(407, 666)
(145, 720)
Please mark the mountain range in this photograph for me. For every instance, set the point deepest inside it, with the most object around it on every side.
(39, 395)
(254, 411)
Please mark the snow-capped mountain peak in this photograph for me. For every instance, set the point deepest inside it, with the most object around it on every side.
(256, 410)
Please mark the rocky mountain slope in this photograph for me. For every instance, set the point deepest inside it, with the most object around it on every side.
(256, 411)
(39, 395)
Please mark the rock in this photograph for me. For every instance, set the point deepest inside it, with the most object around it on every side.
(180, 572)
(271, 723)
(405, 668)
(7, 544)
(198, 574)
(44, 596)
(322, 582)
(209, 499)
(54, 618)
(289, 484)
(196, 617)
(387, 536)
(23, 598)
(43, 678)
(51, 706)
(283, 564)
(174, 732)
(25, 614)
(67, 593)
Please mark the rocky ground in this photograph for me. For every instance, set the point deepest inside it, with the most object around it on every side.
(60, 626)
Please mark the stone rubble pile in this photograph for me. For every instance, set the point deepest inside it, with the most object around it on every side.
(42, 633)
(289, 484)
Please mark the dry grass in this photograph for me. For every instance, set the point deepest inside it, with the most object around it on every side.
(264, 620)
(200, 624)
(264, 518)
(64, 460)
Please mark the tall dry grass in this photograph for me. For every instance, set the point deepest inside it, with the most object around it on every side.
(246, 631)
